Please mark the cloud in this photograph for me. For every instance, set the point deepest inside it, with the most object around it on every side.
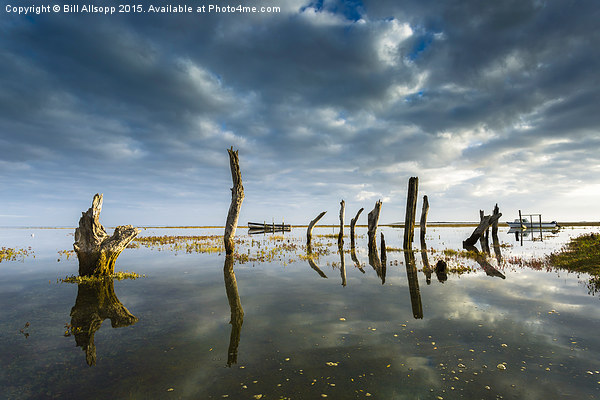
(325, 100)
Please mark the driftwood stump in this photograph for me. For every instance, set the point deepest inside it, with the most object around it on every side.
(484, 224)
(96, 251)
(411, 210)
(352, 225)
(311, 225)
(96, 301)
(237, 197)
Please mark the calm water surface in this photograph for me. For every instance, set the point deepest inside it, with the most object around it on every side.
(335, 331)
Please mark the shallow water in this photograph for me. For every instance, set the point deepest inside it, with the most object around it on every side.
(531, 335)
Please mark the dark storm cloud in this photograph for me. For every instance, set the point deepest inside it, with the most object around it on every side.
(326, 99)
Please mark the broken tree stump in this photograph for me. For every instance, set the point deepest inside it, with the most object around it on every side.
(237, 197)
(342, 212)
(411, 210)
(352, 225)
(423, 222)
(96, 251)
(485, 235)
(483, 225)
(311, 225)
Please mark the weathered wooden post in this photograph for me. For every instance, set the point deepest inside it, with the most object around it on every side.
(411, 209)
(423, 222)
(310, 228)
(484, 236)
(352, 225)
(96, 251)
(237, 197)
(342, 213)
(495, 240)
(373, 220)
(372, 233)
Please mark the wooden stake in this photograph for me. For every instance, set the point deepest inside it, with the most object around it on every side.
(411, 209)
(352, 225)
(341, 234)
(423, 222)
(237, 197)
(311, 226)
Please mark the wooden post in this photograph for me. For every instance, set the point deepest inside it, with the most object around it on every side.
(411, 208)
(495, 240)
(342, 212)
(310, 228)
(352, 225)
(521, 220)
(96, 251)
(372, 232)
(237, 196)
(483, 225)
(423, 222)
(484, 236)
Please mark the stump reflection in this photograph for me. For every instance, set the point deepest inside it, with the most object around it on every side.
(237, 312)
(96, 301)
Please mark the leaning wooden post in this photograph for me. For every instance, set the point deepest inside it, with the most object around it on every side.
(342, 212)
(310, 228)
(411, 208)
(237, 196)
(96, 251)
(495, 240)
(352, 225)
(423, 223)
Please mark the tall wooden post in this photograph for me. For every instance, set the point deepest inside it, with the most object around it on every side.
(495, 240)
(311, 225)
(342, 212)
(237, 196)
(373, 222)
(411, 208)
(423, 222)
(352, 225)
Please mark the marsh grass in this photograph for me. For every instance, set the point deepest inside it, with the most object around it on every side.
(119, 276)
(581, 254)
(10, 254)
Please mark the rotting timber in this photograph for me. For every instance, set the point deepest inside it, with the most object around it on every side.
(96, 251)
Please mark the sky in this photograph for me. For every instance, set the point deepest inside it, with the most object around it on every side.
(486, 102)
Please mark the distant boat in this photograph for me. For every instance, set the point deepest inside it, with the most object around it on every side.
(526, 224)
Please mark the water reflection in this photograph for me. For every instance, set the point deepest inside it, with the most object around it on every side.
(237, 312)
(342, 263)
(355, 260)
(96, 301)
(375, 262)
(483, 263)
(313, 264)
(425, 259)
(413, 284)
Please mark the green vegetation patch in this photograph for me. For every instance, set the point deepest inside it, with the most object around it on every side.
(9, 254)
(119, 276)
(581, 254)
(189, 244)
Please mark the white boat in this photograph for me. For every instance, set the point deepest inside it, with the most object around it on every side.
(526, 224)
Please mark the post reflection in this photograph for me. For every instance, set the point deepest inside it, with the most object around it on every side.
(342, 263)
(235, 305)
(413, 284)
(425, 259)
(95, 302)
(483, 263)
